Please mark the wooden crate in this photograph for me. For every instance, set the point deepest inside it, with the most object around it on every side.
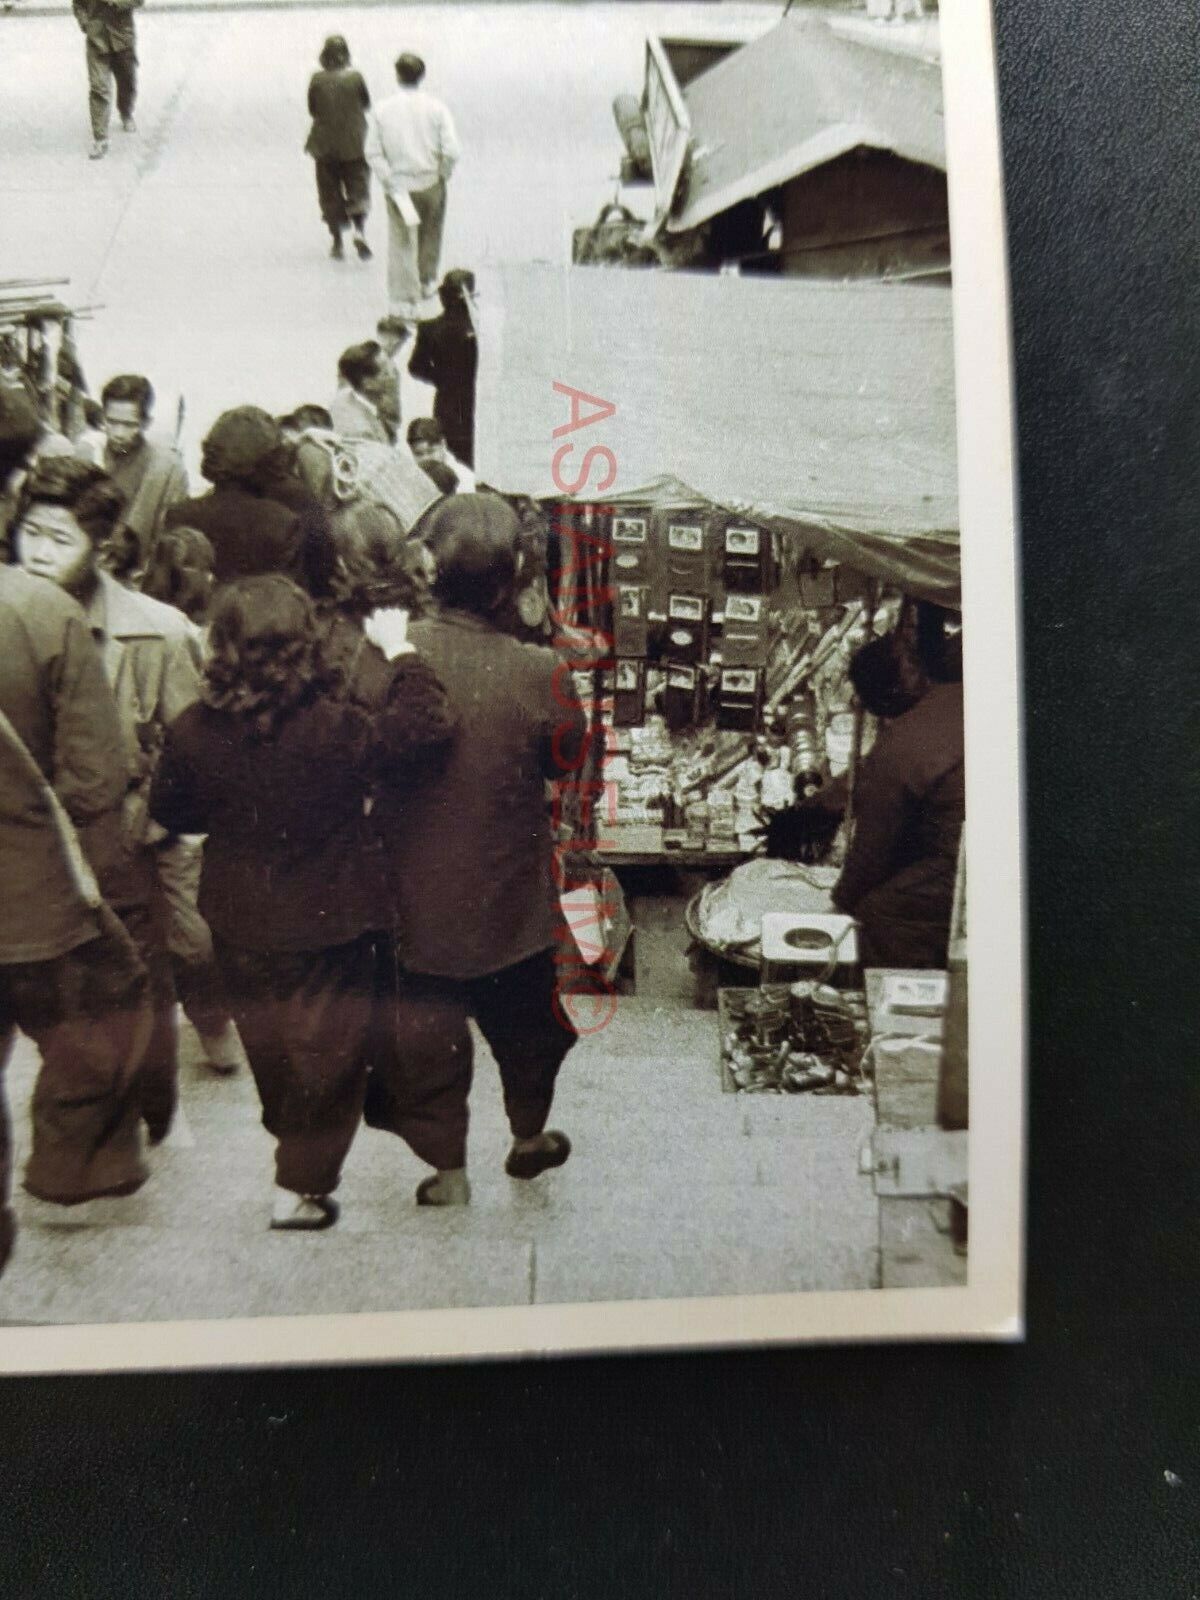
(907, 1067)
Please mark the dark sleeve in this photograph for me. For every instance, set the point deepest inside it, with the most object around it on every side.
(312, 85)
(364, 94)
(881, 811)
(417, 724)
(175, 801)
(318, 558)
(564, 723)
(424, 363)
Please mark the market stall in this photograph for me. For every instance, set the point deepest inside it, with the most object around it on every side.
(37, 350)
(784, 511)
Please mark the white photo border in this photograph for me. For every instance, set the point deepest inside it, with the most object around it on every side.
(990, 1306)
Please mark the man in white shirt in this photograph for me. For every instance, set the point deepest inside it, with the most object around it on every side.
(412, 148)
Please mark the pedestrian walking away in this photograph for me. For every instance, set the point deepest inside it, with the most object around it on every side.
(338, 101)
(274, 766)
(412, 148)
(471, 849)
(108, 28)
(68, 975)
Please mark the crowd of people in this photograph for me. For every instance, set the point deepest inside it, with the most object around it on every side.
(274, 752)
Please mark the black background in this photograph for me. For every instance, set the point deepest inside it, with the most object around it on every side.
(1032, 1470)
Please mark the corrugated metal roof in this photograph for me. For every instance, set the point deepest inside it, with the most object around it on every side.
(828, 408)
(796, 98)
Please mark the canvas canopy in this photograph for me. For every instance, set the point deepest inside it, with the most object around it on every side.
(796, 98)
(822, 411)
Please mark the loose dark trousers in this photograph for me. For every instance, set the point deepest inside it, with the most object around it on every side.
(421, 1092)
(343, 191)
(87, 1014)
(305, 1019)
(158, 1076)
(106, 67)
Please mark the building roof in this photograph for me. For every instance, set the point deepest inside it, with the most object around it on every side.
(824, 410)
(798, 97)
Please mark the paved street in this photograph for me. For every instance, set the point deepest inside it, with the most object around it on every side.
(199, 237)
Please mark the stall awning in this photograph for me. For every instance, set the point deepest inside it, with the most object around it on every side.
(824, 411)
(798, 97)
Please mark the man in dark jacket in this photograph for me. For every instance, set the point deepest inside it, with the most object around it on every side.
(446, 355)
(67, 978)
(472, 857)
(107, 25)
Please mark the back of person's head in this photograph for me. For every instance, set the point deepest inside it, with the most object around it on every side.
(442, 475)
(410, 69)
(83, 488)
(237, 444)
(456, 287)
(377, 566)
(473, 539)
(884, 682)
(939, 642)
(264, 653)
(335, 53)
(180, 571)
(305, 417)
(395, 331)
(129, 388)
(20, 429)
(424, 431)
(359, 363)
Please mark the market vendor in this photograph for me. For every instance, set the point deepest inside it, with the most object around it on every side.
(909, 806)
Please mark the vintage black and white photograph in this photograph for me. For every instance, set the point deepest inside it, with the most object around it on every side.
(508, 680)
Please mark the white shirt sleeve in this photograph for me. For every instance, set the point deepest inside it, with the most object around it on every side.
(374, 152)
(448, 146)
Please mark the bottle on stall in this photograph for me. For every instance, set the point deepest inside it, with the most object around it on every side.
(808, 768)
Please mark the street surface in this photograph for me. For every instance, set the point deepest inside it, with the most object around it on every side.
(200, 240)
(199, 235)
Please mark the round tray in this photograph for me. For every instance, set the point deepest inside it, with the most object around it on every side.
(736, 957)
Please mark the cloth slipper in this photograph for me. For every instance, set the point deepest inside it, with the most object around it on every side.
(326, 1204)
(425, 1194)
(529, 1163)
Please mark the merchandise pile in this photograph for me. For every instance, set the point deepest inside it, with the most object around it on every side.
(806, 1038)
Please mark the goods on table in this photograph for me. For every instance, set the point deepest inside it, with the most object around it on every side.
(805, 1038)
(725, 671)
(728, 915)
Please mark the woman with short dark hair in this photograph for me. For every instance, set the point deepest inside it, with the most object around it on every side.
(275, 766)
(471, 849)
(338, 101)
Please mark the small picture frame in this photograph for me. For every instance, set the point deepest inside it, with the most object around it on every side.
(685, 536)
(743, 608)
(739, 681)
(682, 677)
(743, 541)
(685, 608)
(629, 530)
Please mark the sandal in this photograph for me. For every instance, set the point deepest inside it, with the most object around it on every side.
(328, 1212)
(426, 1195)
(529, 1163)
